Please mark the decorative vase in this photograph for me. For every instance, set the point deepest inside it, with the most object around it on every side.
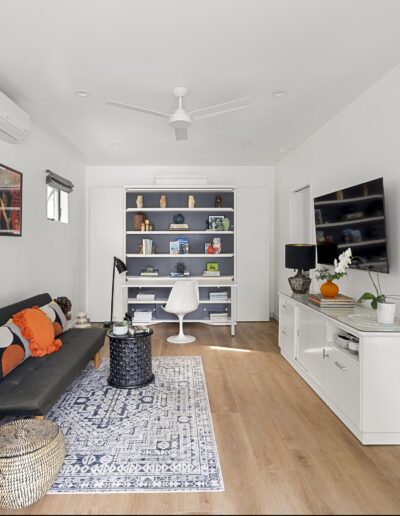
(329, 289)
(386, 312)
(191, 201)
(226, 223)
(163, 201)
(139, 201)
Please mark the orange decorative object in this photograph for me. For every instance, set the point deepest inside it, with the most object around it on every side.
(211, 249)
(329, 289)
(37, 328)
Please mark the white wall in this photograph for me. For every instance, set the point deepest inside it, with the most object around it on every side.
(360, 143)
(241, 176)
(49, 257)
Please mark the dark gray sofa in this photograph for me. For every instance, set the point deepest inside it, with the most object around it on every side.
(36, 384)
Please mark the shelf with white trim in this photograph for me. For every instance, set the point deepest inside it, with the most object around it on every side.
(177, 209)
(181, 256)
(133, 300)
(181, 232)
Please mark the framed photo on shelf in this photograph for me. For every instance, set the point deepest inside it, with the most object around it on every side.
(215, 222)
(10, 202)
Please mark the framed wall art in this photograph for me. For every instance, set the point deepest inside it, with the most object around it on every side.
(10, 202)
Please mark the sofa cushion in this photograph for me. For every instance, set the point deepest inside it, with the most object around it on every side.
(36, 384)
(14, 348)
(37, 328)
(56, 316)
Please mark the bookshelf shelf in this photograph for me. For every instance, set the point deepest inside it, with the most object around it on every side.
(181, 256)
(195, 260)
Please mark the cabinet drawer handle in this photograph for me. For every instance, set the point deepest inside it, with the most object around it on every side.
(340, 366)
(285, 306)
(325, 354)
(284, 332)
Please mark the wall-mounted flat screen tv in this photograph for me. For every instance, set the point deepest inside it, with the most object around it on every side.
(353, 217)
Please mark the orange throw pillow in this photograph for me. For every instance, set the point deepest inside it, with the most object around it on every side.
(37, 328)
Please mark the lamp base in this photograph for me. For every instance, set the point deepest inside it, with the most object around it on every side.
(299, 283)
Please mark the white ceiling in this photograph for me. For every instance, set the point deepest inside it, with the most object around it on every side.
(323, 52)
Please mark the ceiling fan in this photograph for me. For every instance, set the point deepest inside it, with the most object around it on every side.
(181, 119)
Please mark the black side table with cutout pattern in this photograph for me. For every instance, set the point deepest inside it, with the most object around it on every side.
(130, 360)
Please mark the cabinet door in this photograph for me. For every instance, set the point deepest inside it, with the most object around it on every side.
(343, 383)
(311, 343)
(286, 327)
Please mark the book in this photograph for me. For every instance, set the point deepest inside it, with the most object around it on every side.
(218, 296)
(218, 316)
(142, 316)
(211, 273)
(179, 274)
(146, 296)
(183, 244)
(147, 246)
(174, 247)
(339, 300)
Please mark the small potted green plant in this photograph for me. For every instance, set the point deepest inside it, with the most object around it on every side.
(120, 328)
(379, 301)
(330, 289)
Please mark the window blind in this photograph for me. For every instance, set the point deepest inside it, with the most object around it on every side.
(59, 182)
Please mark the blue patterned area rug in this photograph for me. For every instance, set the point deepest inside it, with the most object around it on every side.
(158, 438)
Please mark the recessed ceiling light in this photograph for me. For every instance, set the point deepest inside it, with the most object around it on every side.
(82, 93)
(245, 145)
(284, 149)
(113, 144)
(279, 93)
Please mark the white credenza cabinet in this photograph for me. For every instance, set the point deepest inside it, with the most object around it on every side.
(362, 390)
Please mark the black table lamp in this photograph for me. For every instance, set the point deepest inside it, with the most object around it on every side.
(121, 267)
(300, 257)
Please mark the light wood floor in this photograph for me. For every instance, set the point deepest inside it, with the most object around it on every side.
(282, 451)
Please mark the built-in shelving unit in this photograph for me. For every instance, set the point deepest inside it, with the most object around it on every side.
(197, 234)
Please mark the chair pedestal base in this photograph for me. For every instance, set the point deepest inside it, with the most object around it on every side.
(181, 339)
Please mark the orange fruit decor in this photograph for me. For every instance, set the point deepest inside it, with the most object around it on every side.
(329, 289)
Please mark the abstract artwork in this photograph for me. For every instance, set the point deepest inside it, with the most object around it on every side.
(10, 202)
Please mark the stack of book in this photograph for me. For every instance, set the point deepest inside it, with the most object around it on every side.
(340, 301)
(178, 227)
(142, 316)
(218, 316)
(211, 273)
(149, 271)
(175, 274)
(218, 296)
(146, 296)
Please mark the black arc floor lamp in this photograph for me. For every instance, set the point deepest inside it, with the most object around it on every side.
(121, 267)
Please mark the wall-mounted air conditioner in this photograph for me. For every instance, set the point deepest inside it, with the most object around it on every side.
(14, 121)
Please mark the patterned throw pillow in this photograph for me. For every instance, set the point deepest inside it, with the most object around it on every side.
(56, 316)
(37, 328)
(14, 348)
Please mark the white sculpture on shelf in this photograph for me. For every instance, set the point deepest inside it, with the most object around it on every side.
(82, 320)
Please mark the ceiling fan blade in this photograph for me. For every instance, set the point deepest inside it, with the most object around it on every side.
(135, 108)
(223, 107)
(181, 133)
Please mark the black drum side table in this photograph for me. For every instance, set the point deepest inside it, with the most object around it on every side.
(130, 360)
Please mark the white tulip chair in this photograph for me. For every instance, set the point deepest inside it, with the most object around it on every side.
(183, 299)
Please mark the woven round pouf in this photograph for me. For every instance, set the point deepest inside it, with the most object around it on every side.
(31, 455)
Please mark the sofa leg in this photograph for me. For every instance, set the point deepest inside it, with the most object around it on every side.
(38, 418)
(97, 360)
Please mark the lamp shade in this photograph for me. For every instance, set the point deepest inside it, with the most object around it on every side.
(120, 266)
(300, 256)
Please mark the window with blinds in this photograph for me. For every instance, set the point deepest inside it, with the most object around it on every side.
(58, 190)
